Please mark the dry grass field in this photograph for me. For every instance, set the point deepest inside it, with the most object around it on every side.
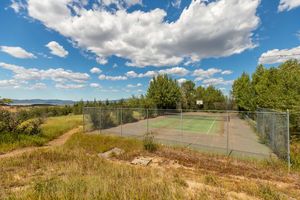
(75, 171)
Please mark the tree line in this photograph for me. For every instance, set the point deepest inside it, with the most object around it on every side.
(275, 88)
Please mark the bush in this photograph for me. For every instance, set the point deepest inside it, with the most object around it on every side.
(149, 143)
(29, 127)
(101, 119)
(127, 116)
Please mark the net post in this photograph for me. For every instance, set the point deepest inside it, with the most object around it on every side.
(288, 139)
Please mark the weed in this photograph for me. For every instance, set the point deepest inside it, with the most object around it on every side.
(149, 143)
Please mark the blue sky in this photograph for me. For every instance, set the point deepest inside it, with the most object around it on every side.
(110, 49)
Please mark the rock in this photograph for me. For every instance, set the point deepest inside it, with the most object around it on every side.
(141, 161)
(113, 152)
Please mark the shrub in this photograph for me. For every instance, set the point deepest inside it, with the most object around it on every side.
(101, 119)
(29, 127)
(127, 116)
(149, 143)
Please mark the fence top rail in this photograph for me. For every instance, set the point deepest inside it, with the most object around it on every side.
(191, 110)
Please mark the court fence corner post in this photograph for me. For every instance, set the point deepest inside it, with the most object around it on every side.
(227, 132)
(288, 139)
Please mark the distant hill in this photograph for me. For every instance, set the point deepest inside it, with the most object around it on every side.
(41, 102)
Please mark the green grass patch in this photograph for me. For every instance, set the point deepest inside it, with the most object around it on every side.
(50, 129)
(96, 143)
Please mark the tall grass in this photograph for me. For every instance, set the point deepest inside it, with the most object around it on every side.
(75, 171)
(52, 128)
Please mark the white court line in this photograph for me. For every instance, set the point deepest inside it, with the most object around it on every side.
(212, 124)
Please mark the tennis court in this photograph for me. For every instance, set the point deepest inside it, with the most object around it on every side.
(220, 132)
(193, 123)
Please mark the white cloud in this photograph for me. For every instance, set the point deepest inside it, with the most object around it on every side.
(69, 86)
(134, 86)
(180, 71)
(95, 70)
(9, 83)
(202, 74)
(132, 74)
(286, 5)
(279, 56)
(17, 52)
(176, 3)
(57, 75)
(181, 80)
(57, 49)
(206, 73)
(146, 38)
(17, 6)
(95, 85)
(216, 81)
(121, 4)
(101, 60)
(226, 72)
(112, 78)
(38, 86)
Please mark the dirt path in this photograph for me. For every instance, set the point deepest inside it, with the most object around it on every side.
(53, 143)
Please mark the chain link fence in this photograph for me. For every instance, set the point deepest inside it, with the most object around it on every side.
(261, 134)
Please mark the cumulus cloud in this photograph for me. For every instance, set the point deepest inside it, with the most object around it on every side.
(22, 76)
(95, 85)
(179, 71)
(279, 56)
(112, 78)
(216, 81)
(134, 86)
(95, 70)
(181, 80)
(146, 38)
(202, 74)
(9, 83)
(17, 52)
(286, 5)
(69, 86)
(206, 73)
(57, 49)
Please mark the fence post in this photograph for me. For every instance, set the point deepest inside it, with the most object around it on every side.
(83, 120)
(181, 125)
(147, 117)
(100, 120)
(121, 113)
(227, 132)
(273, 130)
(288, 139)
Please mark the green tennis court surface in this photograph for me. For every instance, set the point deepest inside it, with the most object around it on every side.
(207, 125)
